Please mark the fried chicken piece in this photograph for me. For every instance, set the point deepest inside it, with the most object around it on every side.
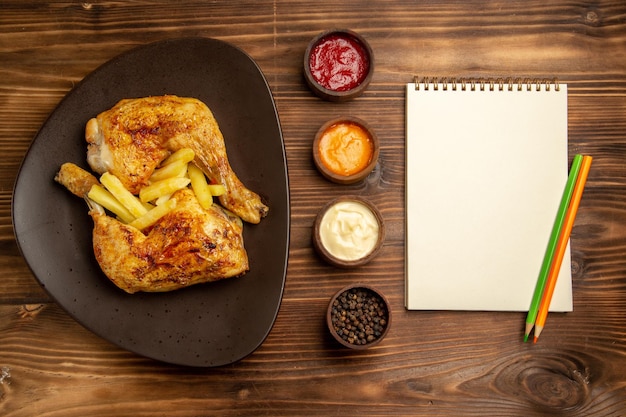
(189, 245)
(134, 136)
(76, 179)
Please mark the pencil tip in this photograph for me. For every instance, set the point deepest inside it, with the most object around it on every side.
(538, 330)
(535, 339)
(528, 329)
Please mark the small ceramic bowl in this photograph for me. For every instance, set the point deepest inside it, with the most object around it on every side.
(358, 316)
(348, 232)
(345, 150)
(338, 65)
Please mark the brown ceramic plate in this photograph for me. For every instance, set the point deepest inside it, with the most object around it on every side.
(204, 325)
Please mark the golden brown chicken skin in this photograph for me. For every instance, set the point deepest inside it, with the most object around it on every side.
(188, 246)
(134, 136)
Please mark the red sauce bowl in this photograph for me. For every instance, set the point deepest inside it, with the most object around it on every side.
(338, 65)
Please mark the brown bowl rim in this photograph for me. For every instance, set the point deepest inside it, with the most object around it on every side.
(331, 328)
(332, 95)
(340, 263)
(345, 179)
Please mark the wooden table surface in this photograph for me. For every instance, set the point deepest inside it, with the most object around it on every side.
(431, 363)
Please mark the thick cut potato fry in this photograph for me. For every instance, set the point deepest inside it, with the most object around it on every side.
(162, 199)
(101, 196)
(217, 189)
(173, 170)
(200, 186)
(115, 187)
(153, 215)
(184, 155)
(163, 187)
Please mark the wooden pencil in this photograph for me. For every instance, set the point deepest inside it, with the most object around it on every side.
(549, 254)
(570, 216)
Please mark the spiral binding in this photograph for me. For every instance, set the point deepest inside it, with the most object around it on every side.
(482, 84)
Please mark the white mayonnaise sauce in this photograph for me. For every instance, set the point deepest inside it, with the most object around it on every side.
(349, 230)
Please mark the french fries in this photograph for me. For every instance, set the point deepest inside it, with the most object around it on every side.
(101, 196)
(200, 186)
(154, 200)
(217, 189)
(153, 215)
(176, 169)
(203, 190)
(128, 200)
(162, 187)
(184, 155)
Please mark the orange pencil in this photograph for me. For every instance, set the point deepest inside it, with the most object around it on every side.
(555, 267)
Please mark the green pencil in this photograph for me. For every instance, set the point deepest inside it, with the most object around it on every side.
(554, 236)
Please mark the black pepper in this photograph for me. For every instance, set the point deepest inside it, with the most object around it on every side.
(359, 316)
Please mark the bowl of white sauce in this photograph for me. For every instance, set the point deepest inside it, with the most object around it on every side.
(348, 232)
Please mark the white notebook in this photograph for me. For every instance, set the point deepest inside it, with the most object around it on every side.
(486, 165)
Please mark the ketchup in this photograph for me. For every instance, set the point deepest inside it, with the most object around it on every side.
(339, 63)
(346, 148)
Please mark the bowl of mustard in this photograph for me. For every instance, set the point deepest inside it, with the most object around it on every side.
(345, 150)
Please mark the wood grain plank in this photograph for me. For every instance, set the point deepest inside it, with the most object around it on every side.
(432, 363)
(429, 366)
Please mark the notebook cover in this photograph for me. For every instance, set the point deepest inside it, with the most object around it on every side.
(485, 171)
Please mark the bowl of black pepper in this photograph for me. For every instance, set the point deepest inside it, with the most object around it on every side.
(358, 316)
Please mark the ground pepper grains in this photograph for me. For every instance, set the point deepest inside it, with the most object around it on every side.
(359, 316)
